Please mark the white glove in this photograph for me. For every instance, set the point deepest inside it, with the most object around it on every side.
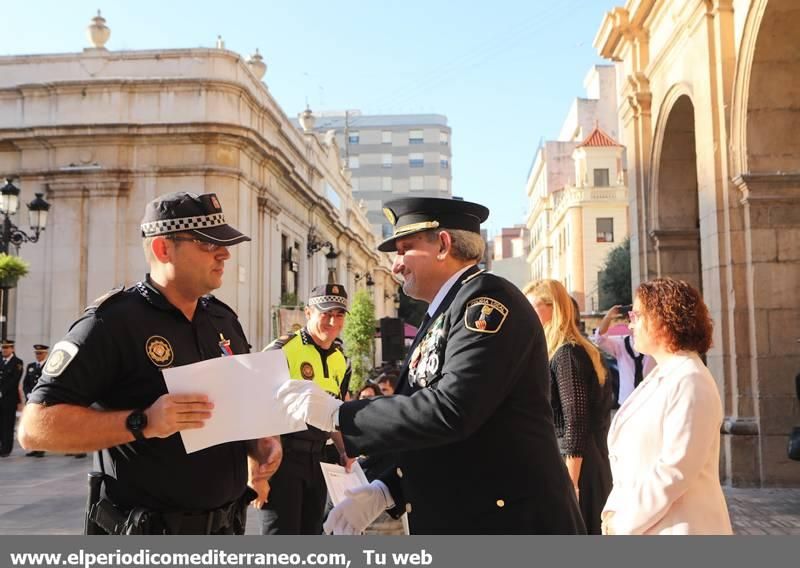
(363, 505)
(308, 402)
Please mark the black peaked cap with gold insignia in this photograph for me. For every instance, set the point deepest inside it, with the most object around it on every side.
(416, 214)
(200, 215)
(40, 347)
(328, 297)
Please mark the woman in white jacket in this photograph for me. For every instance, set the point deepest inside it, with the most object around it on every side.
(664, 440)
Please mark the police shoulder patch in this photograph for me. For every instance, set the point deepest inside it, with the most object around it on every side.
(485, 315)
(60, 357)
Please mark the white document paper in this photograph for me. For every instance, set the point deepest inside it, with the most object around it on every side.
(338, 480)
(242, 388)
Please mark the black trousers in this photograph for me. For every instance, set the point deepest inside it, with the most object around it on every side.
(8, 417)
(297, 495)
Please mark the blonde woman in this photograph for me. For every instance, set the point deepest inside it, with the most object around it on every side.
(580, 398)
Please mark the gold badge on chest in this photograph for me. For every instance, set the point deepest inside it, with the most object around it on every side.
(159, 351)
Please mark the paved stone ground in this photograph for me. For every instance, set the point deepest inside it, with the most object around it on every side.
(47, 496)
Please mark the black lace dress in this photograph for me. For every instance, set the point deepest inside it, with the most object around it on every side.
(582, 413)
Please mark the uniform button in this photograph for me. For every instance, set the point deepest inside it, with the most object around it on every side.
(423, 382)
(399, 473)
(501, 503)
(408, 507)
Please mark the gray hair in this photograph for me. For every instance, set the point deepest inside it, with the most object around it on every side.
(466, 245)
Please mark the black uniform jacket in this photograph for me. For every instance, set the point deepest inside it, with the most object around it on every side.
(121, 345)
(472, 438)
(10, 374)
(32, 373)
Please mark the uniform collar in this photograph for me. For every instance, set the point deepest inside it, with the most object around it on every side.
(440, 295)
(153, 295)
(306, 338)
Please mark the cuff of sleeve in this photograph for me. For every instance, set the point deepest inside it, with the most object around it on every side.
(387, 495)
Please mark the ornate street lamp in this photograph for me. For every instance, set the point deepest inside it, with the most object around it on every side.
(330, 261)
(13, 235)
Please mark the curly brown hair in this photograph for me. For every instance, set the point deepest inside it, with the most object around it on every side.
(678, 314)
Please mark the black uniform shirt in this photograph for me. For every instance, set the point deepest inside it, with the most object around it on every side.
(123, 343)
(32, 374)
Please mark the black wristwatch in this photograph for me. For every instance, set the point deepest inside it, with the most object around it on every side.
(136, 422)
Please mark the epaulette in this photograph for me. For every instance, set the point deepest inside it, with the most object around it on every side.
(471, 276)
(114, 293)
(212, 300)
(278, 343)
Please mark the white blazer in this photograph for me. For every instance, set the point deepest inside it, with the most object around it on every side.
(664, 451)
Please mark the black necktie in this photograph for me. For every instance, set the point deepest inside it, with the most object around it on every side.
(638, 366)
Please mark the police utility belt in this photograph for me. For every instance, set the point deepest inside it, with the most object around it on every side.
(139, 520)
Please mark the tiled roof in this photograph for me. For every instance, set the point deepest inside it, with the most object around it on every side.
(598, 138)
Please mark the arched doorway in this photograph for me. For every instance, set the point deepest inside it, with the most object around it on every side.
(674, 209)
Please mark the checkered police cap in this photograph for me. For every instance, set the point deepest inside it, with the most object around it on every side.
(200, 215)
(328, 297)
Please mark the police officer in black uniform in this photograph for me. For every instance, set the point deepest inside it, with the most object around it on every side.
(470, 426)
(32, 373)
(10, 375)
(112, 360)
(314, 353)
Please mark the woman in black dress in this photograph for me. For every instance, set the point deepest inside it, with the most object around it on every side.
(581, 399)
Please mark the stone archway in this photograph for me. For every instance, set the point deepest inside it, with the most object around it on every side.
(674, 209)
(765, 166)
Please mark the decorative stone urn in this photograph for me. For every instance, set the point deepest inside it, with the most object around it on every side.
(257, 65)
(307, 119)
(98, 32)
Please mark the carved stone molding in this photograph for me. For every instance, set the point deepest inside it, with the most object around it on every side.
(79, 184)
(768, 187)
(666, 239)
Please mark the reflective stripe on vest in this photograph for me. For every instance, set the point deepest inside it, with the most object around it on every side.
(305, 362)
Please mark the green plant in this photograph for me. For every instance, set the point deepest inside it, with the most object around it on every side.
(289, 299)
(358, 335)
(12, 268)
(614, 283)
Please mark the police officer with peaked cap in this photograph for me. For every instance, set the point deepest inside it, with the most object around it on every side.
(102, 387)
(470, 428)
(32, 373)
(10, 375)
(314, 353)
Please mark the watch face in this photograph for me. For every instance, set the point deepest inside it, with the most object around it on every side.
(136, 421)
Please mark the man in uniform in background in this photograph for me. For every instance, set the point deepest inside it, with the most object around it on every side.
(102, 387)
(470, 426)
(10, 375)
(32, 373)
(314, 353)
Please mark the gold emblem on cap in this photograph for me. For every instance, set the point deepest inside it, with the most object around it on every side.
(390, 215)
(334, 289)
(159, 351)
(215, 202)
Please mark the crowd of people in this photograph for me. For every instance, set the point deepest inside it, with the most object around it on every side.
(498, 422)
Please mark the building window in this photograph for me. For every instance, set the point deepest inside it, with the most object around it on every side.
(444, 162)
(352, 163)
(386, 137)
(415, 137)
(386, 160)
(386, 184)
(353, 137)
(444, 138)
(605, 230)
(601, 177)
(416, 160)
(387, 230)
(416, 183)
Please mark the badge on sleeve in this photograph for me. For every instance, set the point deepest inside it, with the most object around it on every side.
(62, 354)
(485, 315)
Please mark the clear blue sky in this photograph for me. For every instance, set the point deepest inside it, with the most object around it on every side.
(503, 71)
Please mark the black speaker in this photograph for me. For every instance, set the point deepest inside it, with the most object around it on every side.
(392, 339)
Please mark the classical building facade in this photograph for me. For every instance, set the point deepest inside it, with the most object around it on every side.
(390, 156)
(101, 133)
(576, 193)
(710, 110)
